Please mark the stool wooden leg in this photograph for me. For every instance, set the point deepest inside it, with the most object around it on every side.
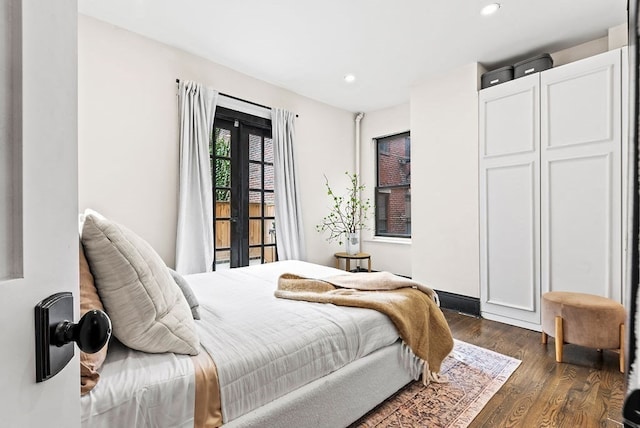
(348, 266)
(544, 338)
(369, 264)
(559, 339)
(337, 263)
(622, 348)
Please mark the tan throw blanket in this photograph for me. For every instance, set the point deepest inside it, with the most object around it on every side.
(207, 412)
(417, 317)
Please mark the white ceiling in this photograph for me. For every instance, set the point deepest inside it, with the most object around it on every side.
(308, 46)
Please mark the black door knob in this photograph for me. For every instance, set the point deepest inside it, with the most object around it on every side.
(91, 333)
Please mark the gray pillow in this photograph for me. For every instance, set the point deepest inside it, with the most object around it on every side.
(147, 309)
(192, 300)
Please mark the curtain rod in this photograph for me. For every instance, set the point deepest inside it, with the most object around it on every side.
(240, 99)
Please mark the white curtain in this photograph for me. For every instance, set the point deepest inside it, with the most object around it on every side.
(194, 241)
(289, 232)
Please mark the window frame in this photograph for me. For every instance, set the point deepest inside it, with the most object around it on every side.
(382, 143)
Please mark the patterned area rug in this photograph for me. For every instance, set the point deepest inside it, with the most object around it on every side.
(475, 374)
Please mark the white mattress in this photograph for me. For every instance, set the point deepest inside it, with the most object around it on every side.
(263, 348)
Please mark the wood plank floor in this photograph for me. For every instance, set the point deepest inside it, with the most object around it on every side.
(586, 390)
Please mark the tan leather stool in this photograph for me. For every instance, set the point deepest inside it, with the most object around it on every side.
(583, 319)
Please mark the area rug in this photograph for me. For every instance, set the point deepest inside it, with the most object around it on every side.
(474, 375)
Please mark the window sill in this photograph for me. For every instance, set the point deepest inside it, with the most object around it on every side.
(389, 240)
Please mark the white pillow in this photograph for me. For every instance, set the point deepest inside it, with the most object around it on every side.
(191, 298)
(147, 309)
(83, 215)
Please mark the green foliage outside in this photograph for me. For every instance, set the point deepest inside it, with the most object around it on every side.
(222, 167)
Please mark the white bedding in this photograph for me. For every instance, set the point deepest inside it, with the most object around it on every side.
(140, 388)
(263, 348)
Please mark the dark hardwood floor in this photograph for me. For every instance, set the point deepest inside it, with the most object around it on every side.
(586, 390)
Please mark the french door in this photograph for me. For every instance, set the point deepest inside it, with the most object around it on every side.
(241, 154)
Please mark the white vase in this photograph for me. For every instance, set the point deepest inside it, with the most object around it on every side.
(353, 243)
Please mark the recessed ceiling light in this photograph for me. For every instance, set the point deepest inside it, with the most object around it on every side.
(490, 9)
(349, 78)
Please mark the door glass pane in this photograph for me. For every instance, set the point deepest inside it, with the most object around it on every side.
(255, 148)
(269, 204)
(223, 240)
(269, 210)
(223, 142)
(223, 196)
(269, 231)
(223, 210)
(255, 256)
(222, 259)
(255, 199)
(255, 176)
(220, 151)
(223, 234)
(223, 173)
(269, 254)
(268, 150)
(268, 177)
(255, 232)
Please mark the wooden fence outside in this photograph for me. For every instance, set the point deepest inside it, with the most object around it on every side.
(223, 234)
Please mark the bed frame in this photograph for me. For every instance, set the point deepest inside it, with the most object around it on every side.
(335, 400)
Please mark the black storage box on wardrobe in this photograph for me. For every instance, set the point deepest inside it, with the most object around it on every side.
(532, 65)
(495, 77)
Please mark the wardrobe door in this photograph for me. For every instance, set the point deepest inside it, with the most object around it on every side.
(581, 177)
(509, 202)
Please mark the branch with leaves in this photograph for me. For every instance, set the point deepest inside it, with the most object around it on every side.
(348, 214)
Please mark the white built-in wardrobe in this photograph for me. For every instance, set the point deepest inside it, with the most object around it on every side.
(551, 199)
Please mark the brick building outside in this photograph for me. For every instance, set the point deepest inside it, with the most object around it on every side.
(393, 193)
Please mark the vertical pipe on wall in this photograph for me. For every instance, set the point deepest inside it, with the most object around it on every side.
(358, 119)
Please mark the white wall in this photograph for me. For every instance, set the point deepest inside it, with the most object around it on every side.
(128, 133)
(388, 254)
(578, 52)
(444, 182)
(618, 36)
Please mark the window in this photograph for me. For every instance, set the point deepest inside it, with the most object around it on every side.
(393, 187)
(242, 166)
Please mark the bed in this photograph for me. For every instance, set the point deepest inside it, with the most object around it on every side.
(278, 362)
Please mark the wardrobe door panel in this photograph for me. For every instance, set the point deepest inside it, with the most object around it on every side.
(516, 135)
(509, 202)
(582, 107)
(579, 252)
(510, 244)
(581, 177)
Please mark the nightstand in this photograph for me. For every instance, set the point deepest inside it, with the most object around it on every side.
(349, 257)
